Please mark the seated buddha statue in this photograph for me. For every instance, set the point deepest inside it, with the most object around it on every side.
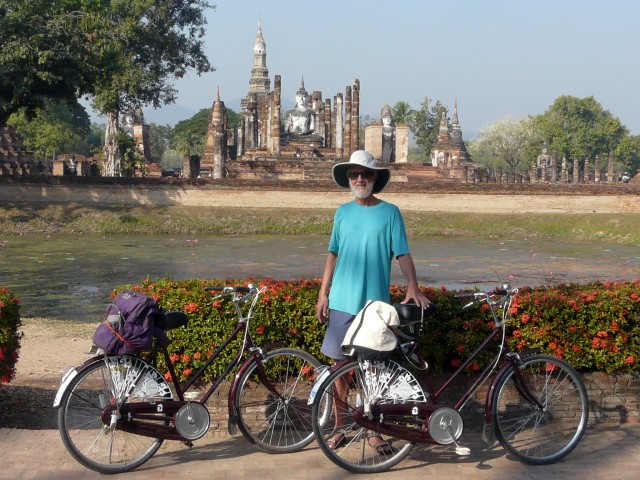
(300, 120)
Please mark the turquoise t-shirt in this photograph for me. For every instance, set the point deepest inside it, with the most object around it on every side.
(365, 239)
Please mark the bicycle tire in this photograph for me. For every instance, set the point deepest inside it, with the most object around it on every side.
(94, 444)
(279, 424)
(547, 430)
(352, 453)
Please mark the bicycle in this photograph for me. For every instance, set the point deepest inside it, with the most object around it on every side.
(536, 406)
(114, 412)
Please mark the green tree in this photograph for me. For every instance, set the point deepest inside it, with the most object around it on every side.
(120, 53)
(401, 112)
(193, 131)
(131, 159)
(160, 139)
(627, 153)
(54, 128)
(508, 142)
(425, 123)
(579, 127)
(365, 120)
(46, 51)
(189, 143)
(150, 44)
(196, 125)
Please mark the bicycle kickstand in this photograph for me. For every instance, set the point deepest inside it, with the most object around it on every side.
(462, 451)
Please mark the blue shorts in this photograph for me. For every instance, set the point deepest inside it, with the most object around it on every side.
(338, 325)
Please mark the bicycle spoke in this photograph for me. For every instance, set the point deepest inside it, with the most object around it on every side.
(540, 410)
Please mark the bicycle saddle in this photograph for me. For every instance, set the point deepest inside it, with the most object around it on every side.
(412, 313)
(169, 320)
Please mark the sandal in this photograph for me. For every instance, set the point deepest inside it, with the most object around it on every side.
(381, 446)
(336, 439)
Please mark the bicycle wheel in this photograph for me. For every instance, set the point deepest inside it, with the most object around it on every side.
(350, 387)
(540, 410)
(277, 417)
(93, 443)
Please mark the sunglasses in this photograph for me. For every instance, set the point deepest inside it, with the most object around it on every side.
(366, 174)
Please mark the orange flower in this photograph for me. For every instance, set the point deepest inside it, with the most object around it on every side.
(630, 360)
(260, 329)
(190, 307)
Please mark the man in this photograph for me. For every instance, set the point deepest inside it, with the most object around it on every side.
(367, 233)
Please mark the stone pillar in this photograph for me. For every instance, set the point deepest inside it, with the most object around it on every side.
(402, 143)
(252, 123)
(339, 126)
(347, 123)
(373, 140)
(610, 178)
(596, 169)
(240, 141)
(274, 123)
(576, 171)
(328, 118)
(587, 171)
(355, 116)
(554, 168)
(317, 105)
(564, 174)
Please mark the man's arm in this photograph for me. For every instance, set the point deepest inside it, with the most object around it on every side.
(322, 305)
(413, 291)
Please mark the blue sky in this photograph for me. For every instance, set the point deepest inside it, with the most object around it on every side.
(496, 57)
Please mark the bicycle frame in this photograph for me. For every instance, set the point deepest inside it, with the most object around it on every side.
(151, 416)
(416, 429)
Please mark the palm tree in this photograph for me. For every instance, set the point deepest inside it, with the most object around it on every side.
(402, 113)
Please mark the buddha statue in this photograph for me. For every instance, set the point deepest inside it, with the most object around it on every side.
(388, 136)
(300, 120)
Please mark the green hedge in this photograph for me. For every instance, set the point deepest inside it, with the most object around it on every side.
(9, 335)
(593, 326)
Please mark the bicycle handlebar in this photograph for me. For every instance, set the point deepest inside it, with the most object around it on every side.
(228, 289)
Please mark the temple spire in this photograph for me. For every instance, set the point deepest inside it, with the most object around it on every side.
(455, 113)
(259, 82)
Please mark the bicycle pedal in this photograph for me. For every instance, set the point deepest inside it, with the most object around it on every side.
(463, 451)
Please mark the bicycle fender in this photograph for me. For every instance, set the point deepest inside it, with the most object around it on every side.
(488, 414)
(323, 372)
(70, 375)
(232, 422)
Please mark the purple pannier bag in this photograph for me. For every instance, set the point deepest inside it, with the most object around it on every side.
(129, 325)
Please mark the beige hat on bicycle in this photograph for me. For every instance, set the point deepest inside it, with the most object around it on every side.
(364, 159)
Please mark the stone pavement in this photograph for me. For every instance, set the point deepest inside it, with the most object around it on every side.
(606, 452)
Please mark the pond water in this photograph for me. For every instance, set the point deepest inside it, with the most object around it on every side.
(71, 277)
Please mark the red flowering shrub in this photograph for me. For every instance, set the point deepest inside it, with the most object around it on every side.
(593, 326)
(9, 335)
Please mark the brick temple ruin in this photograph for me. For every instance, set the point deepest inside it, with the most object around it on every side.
(304, 142)
(15, 159)
(272, 144)
(318, 129)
